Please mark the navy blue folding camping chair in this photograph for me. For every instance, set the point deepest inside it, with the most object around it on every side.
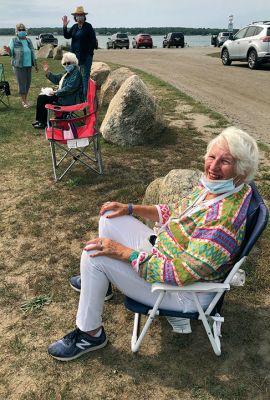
(4, 87)
(211, 319)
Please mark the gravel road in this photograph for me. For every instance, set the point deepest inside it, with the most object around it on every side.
(240, 94)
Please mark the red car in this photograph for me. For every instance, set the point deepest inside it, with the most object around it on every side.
(142, 40)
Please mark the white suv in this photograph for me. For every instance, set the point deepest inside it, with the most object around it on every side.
(222, 37)
(251, 44)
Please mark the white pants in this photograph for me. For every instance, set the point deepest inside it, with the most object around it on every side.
(96, 273)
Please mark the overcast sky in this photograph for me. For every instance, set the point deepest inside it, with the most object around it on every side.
(135, 13)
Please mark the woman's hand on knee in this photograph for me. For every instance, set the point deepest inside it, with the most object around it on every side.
(109, 248)
(117, 209)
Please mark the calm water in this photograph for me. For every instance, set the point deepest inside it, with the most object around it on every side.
(191, 41)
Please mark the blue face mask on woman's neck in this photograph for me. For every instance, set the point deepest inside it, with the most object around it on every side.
(218, 186)
(21, 34)
(69, 68)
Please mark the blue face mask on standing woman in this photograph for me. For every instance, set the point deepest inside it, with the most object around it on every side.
(218, 186)
(21, 34)
(69, 68)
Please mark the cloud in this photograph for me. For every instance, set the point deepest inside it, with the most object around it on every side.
(124, 13)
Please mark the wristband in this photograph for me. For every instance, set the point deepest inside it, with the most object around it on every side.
(130, 209)
(133, 256)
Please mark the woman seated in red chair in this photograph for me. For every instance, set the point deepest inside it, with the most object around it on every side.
(69, 92)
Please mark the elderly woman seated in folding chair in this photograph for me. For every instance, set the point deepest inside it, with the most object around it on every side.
(196, 240)
(69, 92)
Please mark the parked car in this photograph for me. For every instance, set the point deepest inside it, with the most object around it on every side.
(222, 37)
(142, 40)
(118, 40)
(176, 39)
(46, 38)
(250, 44)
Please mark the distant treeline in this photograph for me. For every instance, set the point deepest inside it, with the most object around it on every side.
(130, 31)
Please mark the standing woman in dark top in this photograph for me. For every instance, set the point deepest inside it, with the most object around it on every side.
(83, 42)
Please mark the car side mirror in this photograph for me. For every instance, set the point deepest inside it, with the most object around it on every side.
(36, 38)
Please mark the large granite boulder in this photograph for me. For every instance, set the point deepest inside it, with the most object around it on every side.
(99, 73)
(133, 117)
(58, 53)
(113, 83)
(45, 51)
(175, 185)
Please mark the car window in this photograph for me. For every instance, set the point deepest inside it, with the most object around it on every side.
(122, 35)
(268, 32)
(225, 34)
(251, 31)
(240, 34)
(47, 36)
(177, 34)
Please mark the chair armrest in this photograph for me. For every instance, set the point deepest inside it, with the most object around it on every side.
(194, 287)
(74, 107)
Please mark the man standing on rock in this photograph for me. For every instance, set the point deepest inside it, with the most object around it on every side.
(83, 42)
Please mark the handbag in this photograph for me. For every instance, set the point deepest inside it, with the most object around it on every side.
(4, 86)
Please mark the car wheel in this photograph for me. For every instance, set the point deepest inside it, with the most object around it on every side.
(150, 47)
(177, 47)
(252, 59)
(108, 46)
(137, 46)
(127, 47)
(225, 57)
(114, 46)
(168, 45)
(163, 45)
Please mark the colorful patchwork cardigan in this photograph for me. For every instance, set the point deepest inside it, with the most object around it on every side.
(196, 247)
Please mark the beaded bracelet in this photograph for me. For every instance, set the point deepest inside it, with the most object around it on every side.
(130, 209)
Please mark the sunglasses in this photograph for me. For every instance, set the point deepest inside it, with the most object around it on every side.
(21, 30)
(67, 63)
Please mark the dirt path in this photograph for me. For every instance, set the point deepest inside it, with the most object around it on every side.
(240, 94)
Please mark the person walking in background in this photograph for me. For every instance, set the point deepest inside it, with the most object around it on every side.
(23, 56)
(83, 42)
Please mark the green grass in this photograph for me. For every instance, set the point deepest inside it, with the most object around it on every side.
(43, 228)
(36, 303)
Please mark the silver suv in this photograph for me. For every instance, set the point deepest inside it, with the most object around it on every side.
(251, 44)
(222, 37)
(118, 40)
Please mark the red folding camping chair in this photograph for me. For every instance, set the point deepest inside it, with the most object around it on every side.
(73, 135)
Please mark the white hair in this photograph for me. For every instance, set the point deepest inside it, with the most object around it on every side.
(69, 57)
(242, 147)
